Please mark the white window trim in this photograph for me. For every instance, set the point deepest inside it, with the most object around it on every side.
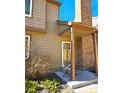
(62, 51)
(27, 56)
(29, 15)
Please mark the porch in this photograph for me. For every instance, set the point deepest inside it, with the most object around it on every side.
(83, 80)
(76, 32)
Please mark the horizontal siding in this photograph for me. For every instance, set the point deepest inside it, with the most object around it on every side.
(38, 19)
(52, 16)
(49, 43)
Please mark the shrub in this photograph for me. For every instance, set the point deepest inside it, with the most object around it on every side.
(30, 86)
(39, 64)
(51, 85)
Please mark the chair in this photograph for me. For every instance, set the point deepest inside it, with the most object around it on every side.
(66, 69)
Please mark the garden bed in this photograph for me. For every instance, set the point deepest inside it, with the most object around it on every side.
(48, 76)
(46, 82)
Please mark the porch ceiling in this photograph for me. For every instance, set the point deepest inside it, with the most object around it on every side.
(79, 30)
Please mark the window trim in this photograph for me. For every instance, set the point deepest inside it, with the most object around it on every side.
(28, 44)
(29, 15)
(62, 43)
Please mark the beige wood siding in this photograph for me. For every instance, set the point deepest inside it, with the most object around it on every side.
(52, 16)
(49, 43)
(37, 19)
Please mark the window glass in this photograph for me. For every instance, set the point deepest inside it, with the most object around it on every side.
(27, 7)
(27, 46)
(66, 55)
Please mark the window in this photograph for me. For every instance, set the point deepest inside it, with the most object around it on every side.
(66, 53)
(28, 7)
(27, 46)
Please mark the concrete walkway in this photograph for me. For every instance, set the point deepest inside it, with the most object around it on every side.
(93, 88)
(83, 78)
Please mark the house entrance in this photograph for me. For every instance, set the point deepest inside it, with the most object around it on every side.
(66, 53)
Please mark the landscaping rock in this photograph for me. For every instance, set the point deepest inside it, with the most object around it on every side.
(44, 91)
(67, 90)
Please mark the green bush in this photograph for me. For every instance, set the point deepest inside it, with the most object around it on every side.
(51, 85)
(30, 86)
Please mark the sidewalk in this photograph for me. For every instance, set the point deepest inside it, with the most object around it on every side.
(87, 89)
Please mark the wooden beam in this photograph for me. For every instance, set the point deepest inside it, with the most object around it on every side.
(95, 52)
(84, 27)
(72, 55)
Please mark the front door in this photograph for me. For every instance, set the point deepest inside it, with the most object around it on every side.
(66, 53)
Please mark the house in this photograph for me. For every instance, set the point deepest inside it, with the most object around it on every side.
(65, 42)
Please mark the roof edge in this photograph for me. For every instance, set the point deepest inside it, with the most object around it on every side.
(78, 25)
(66, 23)
(54, 2)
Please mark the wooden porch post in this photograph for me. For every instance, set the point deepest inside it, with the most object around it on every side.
(95, 52)
(72, 55)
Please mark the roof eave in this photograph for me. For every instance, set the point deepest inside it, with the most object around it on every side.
(54, 2)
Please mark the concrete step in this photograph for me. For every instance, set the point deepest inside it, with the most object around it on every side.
(82, 84)
(93, 88)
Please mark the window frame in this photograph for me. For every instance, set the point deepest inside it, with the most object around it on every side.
(62, 44)
(28, 46)
(30, 14)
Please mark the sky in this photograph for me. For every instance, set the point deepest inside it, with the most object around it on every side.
(67, 9)
(94, 7)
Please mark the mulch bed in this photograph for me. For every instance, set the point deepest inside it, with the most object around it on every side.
(49, 76)
(52, 76)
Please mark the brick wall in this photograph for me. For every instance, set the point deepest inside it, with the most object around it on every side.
(87, 41)
(88, 52)
(79, 61)
(86, 12)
